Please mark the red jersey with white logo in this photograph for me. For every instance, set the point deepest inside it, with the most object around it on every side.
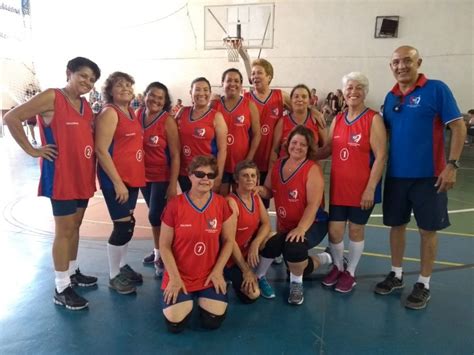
(71, 176)
(248, 223)
(352, 159)
(270, 110)
(238, 131)
(196, 242)
(126, 151)
(198, 137)
(155, 145)
(289, 124)
(290, 194)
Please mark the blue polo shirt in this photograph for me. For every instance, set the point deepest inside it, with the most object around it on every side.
(416, 123)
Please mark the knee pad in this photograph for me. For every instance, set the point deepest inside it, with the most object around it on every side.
(295, 252)
(122, 233)
(210, 320)
(309, 268)
(177, 327)
(273, 246)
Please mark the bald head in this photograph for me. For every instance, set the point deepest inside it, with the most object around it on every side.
(412, 51)
(404, 64)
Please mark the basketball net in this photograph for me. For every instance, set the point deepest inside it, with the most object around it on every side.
(233, 45)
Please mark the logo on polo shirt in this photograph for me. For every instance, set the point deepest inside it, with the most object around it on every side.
(414, 101)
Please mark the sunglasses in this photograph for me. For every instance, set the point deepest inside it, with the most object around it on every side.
(201, 174)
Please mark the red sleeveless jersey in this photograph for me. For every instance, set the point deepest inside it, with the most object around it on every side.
(289, 124)
(239, 127)
(71, 176)
(351, 159)
(290, 194)
(155, 145)
(248, 223)
(196, 242)
(270, 110)
(126, 151)
(198, 137)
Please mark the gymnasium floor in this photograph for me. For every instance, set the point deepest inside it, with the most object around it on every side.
(327, 322)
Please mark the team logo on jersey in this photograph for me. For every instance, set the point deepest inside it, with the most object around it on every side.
(230, 139)
(414, 101)
(275, 111)
(344, 154)
(211, 225)
(265, 129)
(199, 248)
(355, 138)
(139, 155)
(293, 195)
(88, 151)
(154, 140)
(186, 151)
(281, 212)
(240, 120)
(199, 132)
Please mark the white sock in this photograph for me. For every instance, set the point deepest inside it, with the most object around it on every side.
(324, 258)
(72, 266)
(123, 255)
(337, 251)
(398, 272)
(355, 252)
(157, 254)
(297, 279)
(425, 280)
(62, 280)
(115, 254)
(262, 267)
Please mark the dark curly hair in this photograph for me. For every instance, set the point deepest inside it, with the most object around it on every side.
(111, 81)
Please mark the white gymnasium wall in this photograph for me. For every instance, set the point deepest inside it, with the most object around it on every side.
(316, 42)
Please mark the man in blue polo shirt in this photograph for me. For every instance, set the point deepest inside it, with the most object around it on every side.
(418, 176)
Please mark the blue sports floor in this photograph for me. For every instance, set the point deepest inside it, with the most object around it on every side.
(326, 323)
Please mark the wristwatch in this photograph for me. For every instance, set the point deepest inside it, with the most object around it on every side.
(454, 163)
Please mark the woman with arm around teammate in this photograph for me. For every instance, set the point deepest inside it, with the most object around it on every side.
(67, 167)
(358, 143)
(202, 131)
(119, 149)
(253, 229)
(196, 240)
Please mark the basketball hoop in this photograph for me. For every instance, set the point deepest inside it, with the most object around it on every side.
(233, 45)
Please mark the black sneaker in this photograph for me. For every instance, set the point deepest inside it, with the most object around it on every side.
(388, 285)
(419, 297)
(79, 279)
(131, 274)
(149, 259)
(70, 299)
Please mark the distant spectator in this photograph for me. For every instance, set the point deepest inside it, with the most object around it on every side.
(137, 102)
(470, 127)
(314, 98)
(177, 107)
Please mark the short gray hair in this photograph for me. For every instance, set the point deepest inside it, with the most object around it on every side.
(356, 76)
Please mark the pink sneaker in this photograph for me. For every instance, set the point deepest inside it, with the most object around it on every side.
(345, 283)
(332, 278)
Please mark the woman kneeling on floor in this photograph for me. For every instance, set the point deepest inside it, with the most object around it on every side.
(196, 240)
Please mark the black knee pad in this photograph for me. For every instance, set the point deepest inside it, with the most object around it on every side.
(122, 233)
(177, 327)
(273, 246)
(210, 320)
(309, 268)
(295, 252)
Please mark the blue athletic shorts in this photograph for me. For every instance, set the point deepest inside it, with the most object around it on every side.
(154, 194)
(349, 213)
(67, 207)
(184, 183)
(117, 210)
(206, 293)
(402, 196)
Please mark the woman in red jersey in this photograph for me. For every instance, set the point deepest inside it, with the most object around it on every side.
(357, 139)
(197, 235)
(296, 183)
(202, 131)
(67, 167)
(301, 114)
(119, 149)
(162, 147)
(243, 125)
(253, 229)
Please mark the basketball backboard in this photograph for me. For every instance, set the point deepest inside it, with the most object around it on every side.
(253, 21)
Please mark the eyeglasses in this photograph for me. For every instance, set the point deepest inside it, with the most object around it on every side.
(201, 174)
